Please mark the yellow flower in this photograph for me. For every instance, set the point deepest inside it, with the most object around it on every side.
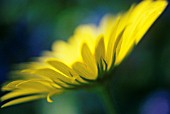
(86, 58)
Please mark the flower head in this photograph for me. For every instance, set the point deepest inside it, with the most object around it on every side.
(87, 57)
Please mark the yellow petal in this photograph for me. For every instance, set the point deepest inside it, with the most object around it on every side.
(62, 68)
(51, 94)
(54, 75)
(100, 56)
(106, 27)
(18, 93)
(11, 85)
(84, 34)
(89, 60)
(21, 100)
(139, 20)
(100, 50)
(115, 37)
(153, 13)
(35, 83)
(65, 52)
(27, 88)
(84, 71)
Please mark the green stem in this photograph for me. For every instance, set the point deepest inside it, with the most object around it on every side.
(107, 98)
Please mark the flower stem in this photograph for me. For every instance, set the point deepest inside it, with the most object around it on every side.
(107, 98)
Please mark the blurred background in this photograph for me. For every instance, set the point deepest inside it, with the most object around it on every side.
(141, 84)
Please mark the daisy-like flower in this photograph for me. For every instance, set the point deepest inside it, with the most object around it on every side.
(86, 58)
